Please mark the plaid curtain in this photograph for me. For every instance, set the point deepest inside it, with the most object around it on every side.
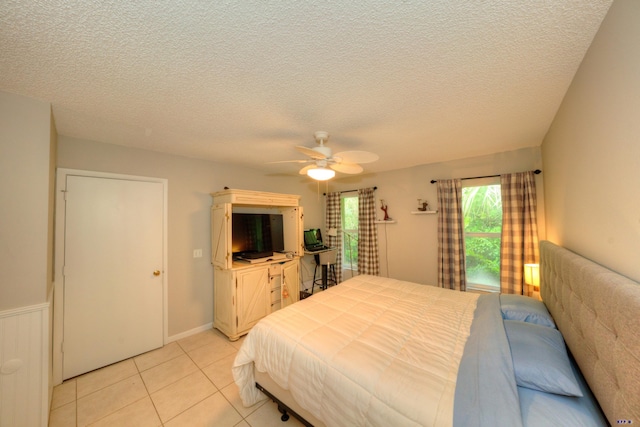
(519, 230)
(451, 260)
(367, 233)
(333, 219)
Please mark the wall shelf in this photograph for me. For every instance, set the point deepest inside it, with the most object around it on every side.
(390, 221)
(424, 212)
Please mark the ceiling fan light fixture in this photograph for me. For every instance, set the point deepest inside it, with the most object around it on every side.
(321, 174)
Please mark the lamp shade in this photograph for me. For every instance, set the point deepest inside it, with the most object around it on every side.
(333, 232)
(321, 174)
(532, 275)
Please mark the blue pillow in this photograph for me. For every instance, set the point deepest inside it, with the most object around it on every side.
(546, 409)
(540, 409)
(526, 309)
(540, 359)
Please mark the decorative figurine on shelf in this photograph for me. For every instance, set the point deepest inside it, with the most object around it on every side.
(384, 209)
(423, 206)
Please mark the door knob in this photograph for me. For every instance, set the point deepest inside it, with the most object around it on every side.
(156, 273)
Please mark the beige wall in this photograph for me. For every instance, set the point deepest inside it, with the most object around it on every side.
(53, 149)
(25, 200)
(408, 248)
(190, 280)
(592, 151)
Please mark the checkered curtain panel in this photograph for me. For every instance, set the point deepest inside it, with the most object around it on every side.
(451, 261)
(333, 217)
(519, 229)
(368, 262)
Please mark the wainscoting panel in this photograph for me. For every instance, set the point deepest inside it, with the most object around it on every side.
(24, 337)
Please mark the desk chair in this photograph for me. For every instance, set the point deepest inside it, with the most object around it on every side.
(326, 261)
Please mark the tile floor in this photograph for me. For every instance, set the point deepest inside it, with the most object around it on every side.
(185, 383)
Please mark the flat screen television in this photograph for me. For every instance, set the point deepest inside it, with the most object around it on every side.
(256, 235)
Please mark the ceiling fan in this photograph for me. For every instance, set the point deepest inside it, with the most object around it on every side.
(324, 163)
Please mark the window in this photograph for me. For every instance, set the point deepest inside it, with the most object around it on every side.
(349, 209)
(482, 211)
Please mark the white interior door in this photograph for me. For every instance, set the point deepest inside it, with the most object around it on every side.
(113, 271)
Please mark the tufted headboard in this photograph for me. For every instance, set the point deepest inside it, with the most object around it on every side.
(598, 313)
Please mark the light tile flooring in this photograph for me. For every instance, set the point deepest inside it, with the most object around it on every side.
(185, 383)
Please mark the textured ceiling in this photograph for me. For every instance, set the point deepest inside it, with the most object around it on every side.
(245, 81)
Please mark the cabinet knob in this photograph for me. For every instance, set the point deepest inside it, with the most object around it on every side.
(156, 273)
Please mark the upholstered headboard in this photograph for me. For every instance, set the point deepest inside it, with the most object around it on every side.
(598, 312)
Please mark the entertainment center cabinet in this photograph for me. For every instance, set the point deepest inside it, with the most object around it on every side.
(246, 291)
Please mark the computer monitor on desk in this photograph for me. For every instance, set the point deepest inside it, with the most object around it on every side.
(313, 240)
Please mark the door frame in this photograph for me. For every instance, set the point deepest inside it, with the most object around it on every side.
(58, 279)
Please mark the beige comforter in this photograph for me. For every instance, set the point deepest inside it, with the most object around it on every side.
(370, 351)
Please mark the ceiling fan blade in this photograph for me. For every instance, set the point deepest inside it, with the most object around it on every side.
(290, 161)
(310, 152)
(351, 168)
(304, 170)
(357, 156)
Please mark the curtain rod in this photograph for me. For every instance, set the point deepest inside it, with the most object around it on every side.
(348, 191)
(433, 181)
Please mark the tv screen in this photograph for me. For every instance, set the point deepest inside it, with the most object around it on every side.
(256, 235)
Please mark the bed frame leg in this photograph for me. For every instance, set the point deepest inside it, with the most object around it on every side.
(283, 411)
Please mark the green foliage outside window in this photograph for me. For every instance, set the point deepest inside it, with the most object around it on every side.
(350, 229)
(482, 210)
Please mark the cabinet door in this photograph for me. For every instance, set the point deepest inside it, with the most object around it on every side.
(221, 235)
(254, 297)
(290, 283)
(224, 307)
(300, 232)
(293, 230)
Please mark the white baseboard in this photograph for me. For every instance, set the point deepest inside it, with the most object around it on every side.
(190, 332)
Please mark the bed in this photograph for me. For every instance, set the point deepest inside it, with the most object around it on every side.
(378, 351)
